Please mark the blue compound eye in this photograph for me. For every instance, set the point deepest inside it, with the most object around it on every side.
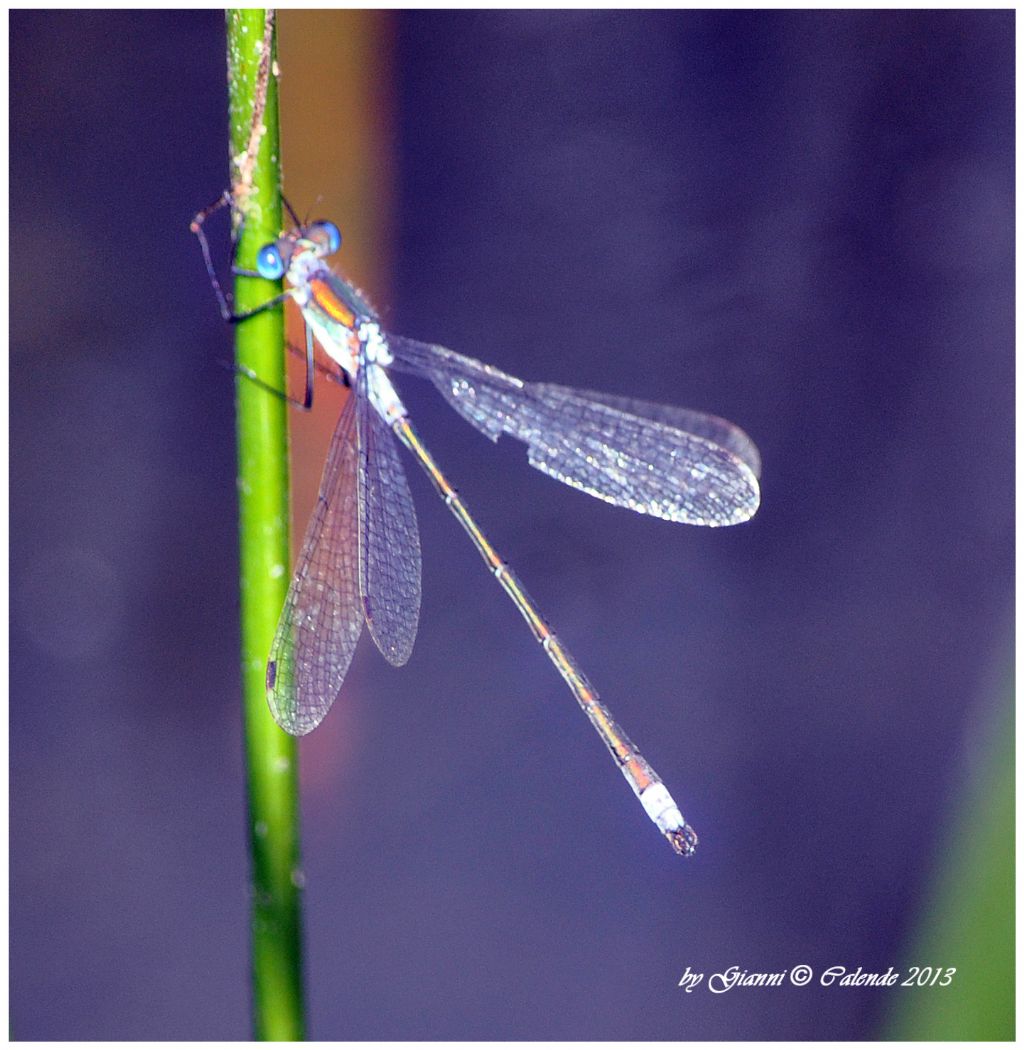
(331, 235)
(269, 263)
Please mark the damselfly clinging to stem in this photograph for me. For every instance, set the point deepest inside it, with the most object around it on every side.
(360, 559)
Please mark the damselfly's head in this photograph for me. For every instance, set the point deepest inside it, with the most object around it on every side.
(297, 250)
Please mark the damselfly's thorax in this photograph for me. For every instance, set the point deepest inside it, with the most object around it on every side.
(336, 313)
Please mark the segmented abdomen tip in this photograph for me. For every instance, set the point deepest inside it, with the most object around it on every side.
(684, 840)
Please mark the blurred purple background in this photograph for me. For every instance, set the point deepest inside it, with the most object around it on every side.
(800, 221)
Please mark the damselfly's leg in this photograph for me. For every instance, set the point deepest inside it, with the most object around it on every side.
(229, 315)
(291, 211)
(307, 402)
(332, 375)
(232, 317)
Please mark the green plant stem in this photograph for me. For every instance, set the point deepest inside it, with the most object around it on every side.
(271, 755)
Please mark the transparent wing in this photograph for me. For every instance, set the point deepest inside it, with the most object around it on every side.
(322, 617)
(389, 541)
(655, 459)
(490, 399)
(715, 429)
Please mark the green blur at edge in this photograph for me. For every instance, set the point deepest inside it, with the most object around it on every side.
(969, 917)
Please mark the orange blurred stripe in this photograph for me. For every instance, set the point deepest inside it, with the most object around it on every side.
(336, 134)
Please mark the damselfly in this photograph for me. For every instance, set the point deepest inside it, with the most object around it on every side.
(360, 559)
